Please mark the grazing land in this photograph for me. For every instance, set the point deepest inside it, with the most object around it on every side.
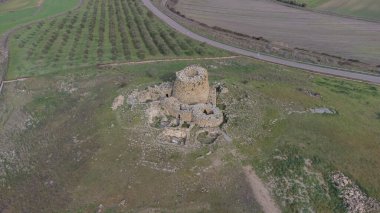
(64, 148)
(333, 35)
(16, 12)
(369, 9)
(101, 31)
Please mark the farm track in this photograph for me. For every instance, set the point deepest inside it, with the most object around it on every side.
(165, 60)
(308, 67)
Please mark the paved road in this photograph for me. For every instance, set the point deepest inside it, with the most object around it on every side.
(308, 67)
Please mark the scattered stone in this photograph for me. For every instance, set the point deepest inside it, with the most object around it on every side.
(323, 110)
(100, 208)
(207, 136)
(123, 203)
(310, 93)
(354, 199)
(118, 102)
(175, 136)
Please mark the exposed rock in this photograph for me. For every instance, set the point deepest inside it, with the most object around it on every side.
(123, 203)
(354, 199)
(175, 136)
(323, 110)
(310, 93)
(118, 102)
(100, 208)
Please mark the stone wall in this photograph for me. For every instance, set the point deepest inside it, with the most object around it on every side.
(174, 108)
(212, 96)
(191, 85)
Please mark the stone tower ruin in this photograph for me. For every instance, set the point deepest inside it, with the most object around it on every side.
(191, 85)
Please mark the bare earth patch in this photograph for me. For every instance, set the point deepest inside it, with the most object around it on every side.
(40, 2)
(262, 195)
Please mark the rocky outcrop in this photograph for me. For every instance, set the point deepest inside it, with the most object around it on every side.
(354, 199)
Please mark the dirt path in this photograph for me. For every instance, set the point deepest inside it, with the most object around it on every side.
(165, 60)
(40, 2)
(261, 194)
(15, 80)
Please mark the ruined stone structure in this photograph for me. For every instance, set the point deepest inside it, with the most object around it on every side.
(191, 85)
(189, 100)
(207, 115)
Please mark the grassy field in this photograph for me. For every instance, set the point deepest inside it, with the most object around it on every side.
(369, 9)
(101, 31)
(337, 36)
(73, 153)
(16, 12)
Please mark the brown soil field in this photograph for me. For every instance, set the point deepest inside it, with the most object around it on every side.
(329, 34)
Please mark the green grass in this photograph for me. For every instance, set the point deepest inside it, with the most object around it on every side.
(23, 15)
(124, 31)
(97, 156)
(64, 149)
(346, 142)
(89, 144)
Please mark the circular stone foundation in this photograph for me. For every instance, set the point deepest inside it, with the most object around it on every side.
(205, 115)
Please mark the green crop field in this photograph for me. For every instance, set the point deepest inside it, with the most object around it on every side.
(12, 15)
(369, 9)
(101, 31)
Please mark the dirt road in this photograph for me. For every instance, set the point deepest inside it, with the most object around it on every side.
(307, 67)
(165, 60)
